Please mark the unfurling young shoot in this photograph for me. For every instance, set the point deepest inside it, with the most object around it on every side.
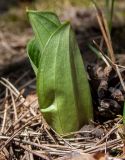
(62, 85)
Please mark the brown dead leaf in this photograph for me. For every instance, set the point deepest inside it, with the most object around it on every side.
(99, 156)
(2, 156)
(77, 156)
(31, 97)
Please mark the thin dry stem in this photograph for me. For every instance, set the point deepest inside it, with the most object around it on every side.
(105, 32)
(120, 77)
(14, 107)
(5, 112)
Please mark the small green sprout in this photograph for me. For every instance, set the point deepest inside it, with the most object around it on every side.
(62, 85)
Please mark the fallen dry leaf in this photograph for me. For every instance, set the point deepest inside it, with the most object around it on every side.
(77, 156)
(2, 156)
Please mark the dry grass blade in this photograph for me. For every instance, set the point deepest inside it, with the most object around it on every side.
(101, 147)
(14, 106)
(29, 121)
(47, 147)
(16, 122)
(5, 112)
(105, 32)
(102, 55)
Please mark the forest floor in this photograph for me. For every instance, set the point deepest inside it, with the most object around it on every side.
(24, 133)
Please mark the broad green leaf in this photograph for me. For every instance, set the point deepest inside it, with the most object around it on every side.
(33, 54)
(82, 85)
(44, 24)
(62, 86)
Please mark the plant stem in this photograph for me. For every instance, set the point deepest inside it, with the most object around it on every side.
(109, 12)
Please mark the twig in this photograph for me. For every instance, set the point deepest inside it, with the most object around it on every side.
(29, 146)
(42, 146)
(112, 130)
(44, 157)
(11, 138)
(16, 122)
(66, 142)
(120, 77)
(101, 147)
(115, 66)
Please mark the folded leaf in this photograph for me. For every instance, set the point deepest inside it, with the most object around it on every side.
(82, 85)
(62, 85)
(33, 54)
(44, 24)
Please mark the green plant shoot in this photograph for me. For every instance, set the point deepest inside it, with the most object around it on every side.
(109, 5)
(62, 85)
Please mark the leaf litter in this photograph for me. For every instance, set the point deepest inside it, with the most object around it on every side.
(25, 134)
